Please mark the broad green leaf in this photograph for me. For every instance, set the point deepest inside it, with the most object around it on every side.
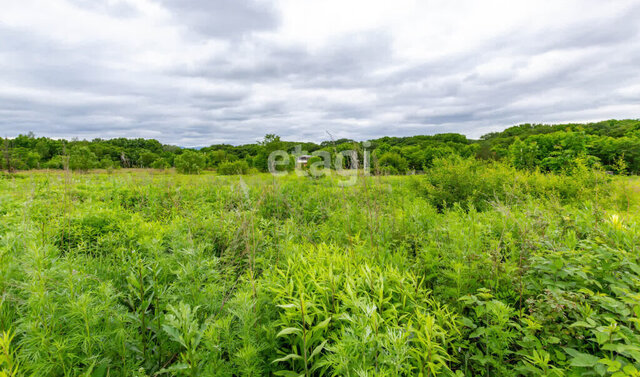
(322, 325)
(584, 360)
(291, 356)
(317, 350)
(287, 373)
(289, 330)
(174, 334)
(174, 368)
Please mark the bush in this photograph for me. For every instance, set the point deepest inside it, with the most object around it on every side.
(82, 159)
(190, 162)
(317, 166)
(392, 163)
(107, 163)
(473, 183)
(147, 159)
(466, 182)
(57, 162)
(231, 168)
(160, 163)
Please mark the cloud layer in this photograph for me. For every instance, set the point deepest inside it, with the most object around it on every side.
(198, 72)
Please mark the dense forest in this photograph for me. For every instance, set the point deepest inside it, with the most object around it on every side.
(612, 144)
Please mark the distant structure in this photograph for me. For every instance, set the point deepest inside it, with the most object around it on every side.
(303, 159)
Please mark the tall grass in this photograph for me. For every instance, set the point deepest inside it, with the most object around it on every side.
(471, 269)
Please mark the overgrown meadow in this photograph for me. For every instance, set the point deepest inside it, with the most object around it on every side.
(472, 269)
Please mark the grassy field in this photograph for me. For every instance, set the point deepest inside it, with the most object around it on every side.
(470, 269)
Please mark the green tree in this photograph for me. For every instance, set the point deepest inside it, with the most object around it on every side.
(190, 162)
(82, 159)
(147, 158)
(106, 163)
(216, 157)
(392, 163)
(160, 163)
(32, 159)
(6, 155)
(57, 162)
(523, 155)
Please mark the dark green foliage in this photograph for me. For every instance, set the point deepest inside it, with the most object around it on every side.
(615, 145)
(147, 159)
(56, 162)
(392, 163)
(559, 147)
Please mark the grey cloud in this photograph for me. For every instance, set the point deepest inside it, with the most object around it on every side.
(345, 63)
(120, 9)
(77, 91)
(223, 18)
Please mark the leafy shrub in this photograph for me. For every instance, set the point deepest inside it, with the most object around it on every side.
(56, 162)
(231, 168)
(466, 182)
(340, 315)
(392, 163)
(190, 162)
(93, 233)
(82, 159)
(471, 183)
(107, 163)
(317, 167)
(160, 163)
(147, 159)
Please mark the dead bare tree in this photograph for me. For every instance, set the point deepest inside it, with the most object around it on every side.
(124, 159)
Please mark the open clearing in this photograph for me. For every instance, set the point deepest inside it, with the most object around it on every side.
(490, 272)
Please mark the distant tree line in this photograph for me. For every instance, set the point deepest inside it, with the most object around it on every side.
(613, 145)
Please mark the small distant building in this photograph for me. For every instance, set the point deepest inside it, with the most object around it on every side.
(303, 159)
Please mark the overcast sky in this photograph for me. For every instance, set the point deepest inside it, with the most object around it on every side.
(199, 72)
